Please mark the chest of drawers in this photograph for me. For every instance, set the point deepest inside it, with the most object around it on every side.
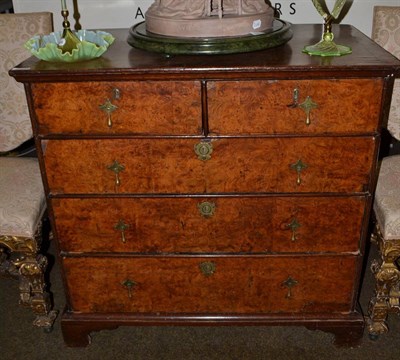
(217, 190)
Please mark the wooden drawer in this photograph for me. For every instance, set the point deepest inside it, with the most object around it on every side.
(267, 107)
(238, 284)
(236, 165)
(185, 225)
(143, 107)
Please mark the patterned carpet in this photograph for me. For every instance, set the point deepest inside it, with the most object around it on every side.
(19, 340)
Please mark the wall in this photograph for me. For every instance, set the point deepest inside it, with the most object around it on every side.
(107, 14)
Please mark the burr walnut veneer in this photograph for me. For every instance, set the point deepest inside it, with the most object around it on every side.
(212, 190)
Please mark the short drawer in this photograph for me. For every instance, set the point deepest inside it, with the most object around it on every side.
(244, 165)
(211, 285)
(209, 225)
(137, 107)
(294, 106)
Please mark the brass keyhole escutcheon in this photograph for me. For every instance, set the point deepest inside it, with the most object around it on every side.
(203, 150)
(206, 209)
(289, 283)
(121, 226)
(208, 268)
(307, 106)
(129, 285)
(299, 166)
(294, 225)
(108, 107)
(116, 168)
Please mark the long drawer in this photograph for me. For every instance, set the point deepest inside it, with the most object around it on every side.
(211, 285)
(209, 225)
(239, 165)
(142, 107)
(294, 106)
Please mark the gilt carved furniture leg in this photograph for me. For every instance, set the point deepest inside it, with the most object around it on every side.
(33, 290)
(29, 267)
(387, 236)
(387, 274)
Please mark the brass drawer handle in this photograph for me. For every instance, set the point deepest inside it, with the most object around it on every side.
(289, 283)
(307, 105)
(121, 226)
(295, 102)
(116, 168)
(294, 225)
(129, 285)
(203, 150)
(208, 268)
(108, 107)
(299, 166)
(116, 93)
(206, 209)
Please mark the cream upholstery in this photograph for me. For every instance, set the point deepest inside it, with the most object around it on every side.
(15, 30)
(22, 198)
(387, 198)
(386, 32)
(386, 298)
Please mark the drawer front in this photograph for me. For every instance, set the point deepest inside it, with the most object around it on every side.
(198, 225)
(211, 285)
(136, 108)
(235, 165)
(269, 107)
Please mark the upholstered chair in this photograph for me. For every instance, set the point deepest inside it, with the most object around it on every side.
(22, 201)
(386, 269)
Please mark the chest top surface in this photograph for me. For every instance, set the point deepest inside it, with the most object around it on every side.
(124, 62)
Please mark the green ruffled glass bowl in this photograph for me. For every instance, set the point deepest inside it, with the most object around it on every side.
(93, 44)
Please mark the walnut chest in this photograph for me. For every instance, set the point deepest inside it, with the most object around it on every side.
(217, 190)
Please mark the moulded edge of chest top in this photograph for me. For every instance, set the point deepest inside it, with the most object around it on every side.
(287, 72)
